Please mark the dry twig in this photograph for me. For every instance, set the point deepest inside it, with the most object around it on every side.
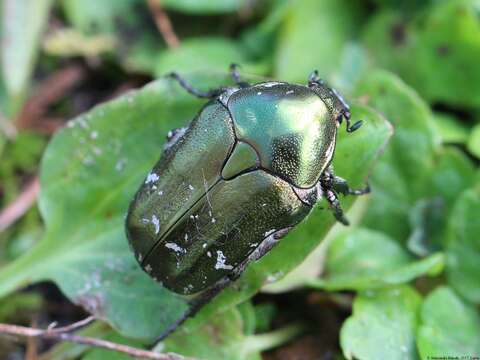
(163, 23)
(20, 205)
(64, 334)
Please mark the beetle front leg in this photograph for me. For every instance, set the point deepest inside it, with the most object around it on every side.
(210, 94)
(235, 74)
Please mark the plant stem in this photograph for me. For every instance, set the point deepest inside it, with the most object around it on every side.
(62, 334)
(273, 339)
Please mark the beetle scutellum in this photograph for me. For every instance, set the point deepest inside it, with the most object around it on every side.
(248, 168)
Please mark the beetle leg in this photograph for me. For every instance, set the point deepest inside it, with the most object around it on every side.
(327, 185)
(340, 185)
(335, 206)
(210, 94)
(235, 74)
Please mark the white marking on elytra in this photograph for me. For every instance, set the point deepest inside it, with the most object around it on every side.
(151, 178)
(175, 247)
(221, 262)
(156, 223)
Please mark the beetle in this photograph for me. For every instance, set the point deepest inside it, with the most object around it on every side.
(249, 167)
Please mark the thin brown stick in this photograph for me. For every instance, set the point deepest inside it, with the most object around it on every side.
(99, 343)
(20, 205)
(163, 23)
(72, 327)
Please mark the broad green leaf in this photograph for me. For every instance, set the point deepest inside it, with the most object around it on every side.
(123, 27)
(204, 6)
(454, 172)
(473, 143)
(22, 23)
(260, 40)
(383, 325)
(102, 157)
(90, 172)
(216, 55)
(448, 328)
(313, 37)
(435, 50)
(362, 259)
(463, 246)
(451, 129)
(93, 17)
(225, 336)
(405, 169)
(20, 307)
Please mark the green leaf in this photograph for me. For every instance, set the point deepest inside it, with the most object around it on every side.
(20, 43)
(121, 27)
(314, 36)
(451, 129)
(463, 246)
(91, 171)
(217, 55)
(448, 327)
(382, 326)
(204, 6)
(228, 335)
(435, 51)
(404, 171)
(93, 17)
(89, 174)
(473, 144)
(225, 336)
(362, 259)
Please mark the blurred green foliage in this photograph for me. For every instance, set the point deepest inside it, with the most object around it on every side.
(413, 257)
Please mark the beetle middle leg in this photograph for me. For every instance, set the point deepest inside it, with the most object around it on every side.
(331, 186)
(210, 94)
(340, 185)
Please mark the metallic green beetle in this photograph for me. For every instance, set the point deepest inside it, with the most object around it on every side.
(248, 168)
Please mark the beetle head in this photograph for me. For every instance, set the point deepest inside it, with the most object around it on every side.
(334, 101)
